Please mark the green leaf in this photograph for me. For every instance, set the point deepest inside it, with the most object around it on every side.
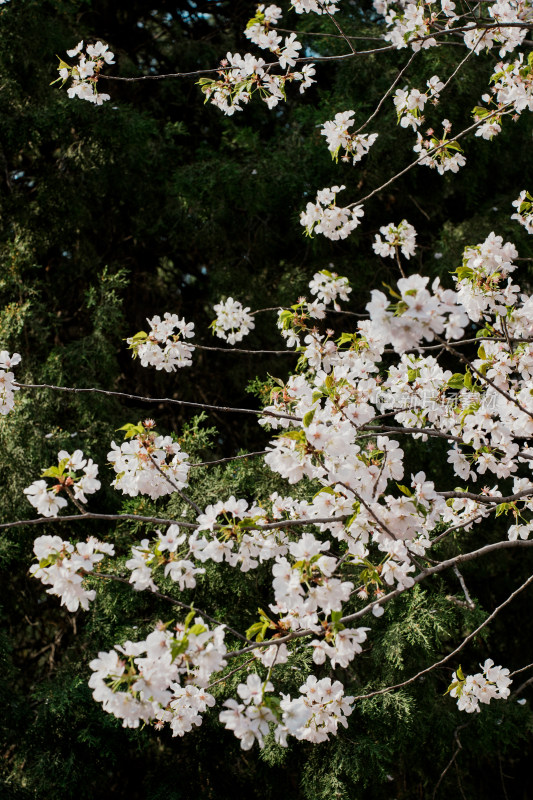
(197, 629)
(404, 490)
(502, 508)
(253, 630)
(463, 273)
(457, 381)
(189, 618)
(308, 418)
(324, 490)
(391, 290)
(52, 472)
(132, 430)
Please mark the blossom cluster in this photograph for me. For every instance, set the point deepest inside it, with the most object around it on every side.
(260, 29)
(410, 23)
(483, 283)
(162, 678)
(85, 73)
(313, 717)
(490, 684)
(511, 93)
(242, 76)
(315, 6)
(338, 137)
(402, 236)
(233, 322)
(63, 566)
(410, 104)
(418, 313)
(7, 381)
(508, 38)
(326, 217)
(444, 155)
(524, 210)
(47, 500)
(261, 32)
(164, 346)
(163, 552)
(147, 463)
(329, 287)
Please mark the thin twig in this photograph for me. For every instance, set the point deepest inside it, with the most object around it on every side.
(518, 671)
(387, 93)
(175, 486)
(229, 674)
(247, 352)
(469, 600)
(143, 399)
(454, 756)
(230, 458)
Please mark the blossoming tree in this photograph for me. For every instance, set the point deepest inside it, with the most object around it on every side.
(353, 532)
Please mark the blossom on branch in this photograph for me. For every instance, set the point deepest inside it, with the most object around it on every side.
(326, 217)
(7, 381)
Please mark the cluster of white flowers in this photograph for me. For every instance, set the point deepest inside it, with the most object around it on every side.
(233, 322)
(149, 464)
(250, 721)
(514, 12)
(510, 94)
(328, 287)
(338, 137)
(490, 684)
(340, 647)
(319, 712)
(513, 85)
(241, 76)
(419, 314)
(409, 105)
(46, 498)
(85, 73)
(402, 236)
(315, 6)
(163, 552)
(163, 347)
(326, 217)
(312, 717)
(484, 286)
(232, 532)
(524, 210)
(139, 681)
(260, 31)
(63, 566)
(408, 23)
(7, 380)
(491, 127)
(447, 158)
